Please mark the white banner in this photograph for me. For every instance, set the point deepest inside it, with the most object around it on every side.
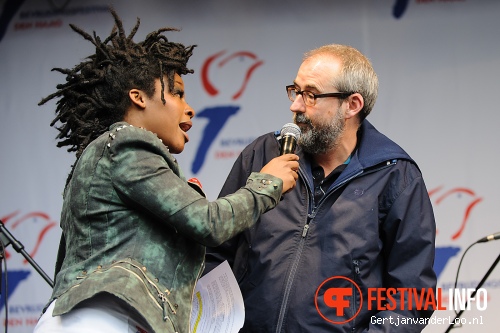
(438, 63)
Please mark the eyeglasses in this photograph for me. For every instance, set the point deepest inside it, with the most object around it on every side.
(310, 98)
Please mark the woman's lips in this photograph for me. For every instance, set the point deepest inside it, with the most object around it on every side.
(186, 126)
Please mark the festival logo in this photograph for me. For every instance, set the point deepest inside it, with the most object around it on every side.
(400, 6)
(458, 203)
(9, 9)
(49, 15)
(34, 227)
(218, 115)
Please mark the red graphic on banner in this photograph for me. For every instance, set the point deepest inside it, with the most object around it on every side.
(207, 83)
(13, 221)
(458, 203)
(460, 191)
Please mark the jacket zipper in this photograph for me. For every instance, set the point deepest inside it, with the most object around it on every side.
(354, 307)
(295, 263)
(161, 295)
(291, 276)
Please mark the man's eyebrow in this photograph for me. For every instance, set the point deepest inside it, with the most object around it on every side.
(307, 87)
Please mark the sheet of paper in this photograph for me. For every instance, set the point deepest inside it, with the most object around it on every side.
(217, 303)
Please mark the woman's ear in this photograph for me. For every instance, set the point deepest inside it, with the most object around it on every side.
(137, 98)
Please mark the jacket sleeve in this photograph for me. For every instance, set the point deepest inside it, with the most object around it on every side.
(408, 233)
(144, 175)
(227, 250)
(246, 163)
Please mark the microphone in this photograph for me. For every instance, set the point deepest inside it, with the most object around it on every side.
(290, 134)
(488, 238)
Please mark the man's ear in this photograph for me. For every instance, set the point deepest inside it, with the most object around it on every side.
(355, 104)
(137, 98)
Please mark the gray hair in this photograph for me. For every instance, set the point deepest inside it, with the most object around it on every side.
(357, 74)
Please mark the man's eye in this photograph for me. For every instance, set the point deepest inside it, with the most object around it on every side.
(309, 94)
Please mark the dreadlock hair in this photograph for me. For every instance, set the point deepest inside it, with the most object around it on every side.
(95, 94)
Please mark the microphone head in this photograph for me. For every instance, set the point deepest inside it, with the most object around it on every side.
(291, 129)
(290, 134)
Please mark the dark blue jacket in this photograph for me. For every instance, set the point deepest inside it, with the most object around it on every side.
(374, 228)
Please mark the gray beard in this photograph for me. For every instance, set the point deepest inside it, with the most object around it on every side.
(322, 137)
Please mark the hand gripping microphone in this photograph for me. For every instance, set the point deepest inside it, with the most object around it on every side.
(290, 134)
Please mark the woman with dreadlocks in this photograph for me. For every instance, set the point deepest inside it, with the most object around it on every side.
(133, 230)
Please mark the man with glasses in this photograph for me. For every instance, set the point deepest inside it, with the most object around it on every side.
(351, 247)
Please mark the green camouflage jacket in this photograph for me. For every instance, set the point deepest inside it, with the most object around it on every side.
(134, 228)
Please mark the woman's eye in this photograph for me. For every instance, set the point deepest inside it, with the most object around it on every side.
(179, 93)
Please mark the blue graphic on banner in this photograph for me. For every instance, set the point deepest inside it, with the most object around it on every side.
(443, 255)
(9, 9)
(399, 8)
(38, 223)
(12, 282)
(217, 117)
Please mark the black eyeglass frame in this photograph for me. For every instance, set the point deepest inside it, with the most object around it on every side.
(301, 92)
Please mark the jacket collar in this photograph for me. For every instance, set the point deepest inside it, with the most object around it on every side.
(373, 149)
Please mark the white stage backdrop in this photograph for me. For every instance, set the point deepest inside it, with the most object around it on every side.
(439, 66)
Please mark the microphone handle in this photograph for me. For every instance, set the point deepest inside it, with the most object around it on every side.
(489, 238)
(288, 144)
